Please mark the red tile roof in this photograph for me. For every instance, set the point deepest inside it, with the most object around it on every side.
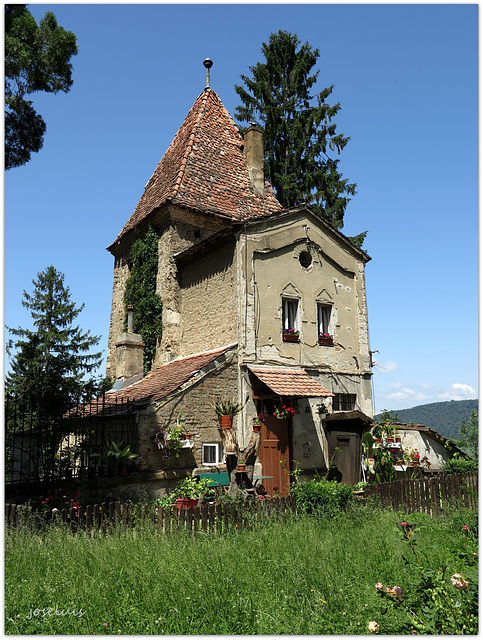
(290, 382)
(163, 380)
(204, 169)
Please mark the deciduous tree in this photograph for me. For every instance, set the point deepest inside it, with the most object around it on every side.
(37, 58)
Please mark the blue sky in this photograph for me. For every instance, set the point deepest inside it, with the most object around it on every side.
(406, 77)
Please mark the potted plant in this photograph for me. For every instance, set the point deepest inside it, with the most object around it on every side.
(326, 339)
(291, 335)
(242, 465)
(257, 422)
(117, 459)
(190, 490)
(283, 412)
(225, 410)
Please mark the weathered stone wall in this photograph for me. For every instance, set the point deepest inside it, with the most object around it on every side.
(209, 297)
(198, 416)
(116, 327)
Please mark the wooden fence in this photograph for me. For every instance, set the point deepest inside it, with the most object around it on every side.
(110, 516)
(432, 495)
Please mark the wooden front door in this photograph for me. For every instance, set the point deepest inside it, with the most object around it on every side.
(275, 455)
(345, 453)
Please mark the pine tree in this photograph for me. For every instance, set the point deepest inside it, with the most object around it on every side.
(298, 135)
(49, 363)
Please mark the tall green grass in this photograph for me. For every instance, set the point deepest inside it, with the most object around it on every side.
(307, 576)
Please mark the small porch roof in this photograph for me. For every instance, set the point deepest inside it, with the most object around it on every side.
(292, 383)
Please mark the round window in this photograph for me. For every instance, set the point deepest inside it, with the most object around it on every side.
(305, 259)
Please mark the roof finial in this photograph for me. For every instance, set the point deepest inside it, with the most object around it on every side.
(208, 64)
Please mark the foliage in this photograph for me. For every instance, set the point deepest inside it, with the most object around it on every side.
(298, 134)
(227, 407)
(115, 457)
(320, 495)
(51, 360)
(432, 602)
(141, 293)
(459, 465)
(468, 440)
(443, 417)
(36, 59)
(194, 487)
(168, 439)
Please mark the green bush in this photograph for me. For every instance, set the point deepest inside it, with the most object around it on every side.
(458, 465)
(322, 495)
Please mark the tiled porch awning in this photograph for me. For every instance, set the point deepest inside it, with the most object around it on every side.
(293, 383)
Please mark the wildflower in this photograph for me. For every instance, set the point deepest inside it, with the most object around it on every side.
(373, 626)
(104, 624)
(404, 524)
(459, 582)
(379, 585)
(465, 528)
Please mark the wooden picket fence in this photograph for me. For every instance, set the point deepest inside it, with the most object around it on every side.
(108, 517)
(433, 495)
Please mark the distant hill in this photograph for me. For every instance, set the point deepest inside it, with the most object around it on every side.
(443, 417)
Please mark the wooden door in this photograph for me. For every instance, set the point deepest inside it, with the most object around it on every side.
(275, 454)
(344, 451)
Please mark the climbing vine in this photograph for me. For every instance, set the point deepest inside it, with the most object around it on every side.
(141, 293)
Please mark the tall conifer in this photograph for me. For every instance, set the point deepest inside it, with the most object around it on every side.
(298, 135)
(50, 361)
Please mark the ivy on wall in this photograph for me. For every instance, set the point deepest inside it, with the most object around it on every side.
(141, 293)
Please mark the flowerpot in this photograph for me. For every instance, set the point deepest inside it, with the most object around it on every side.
(327, 342)
(389, 440)
(187, 436)
(257, 428)
(226, 422)
(290, 337)
(241, 467)
(398, 440)
(123, 470)
(186, 503)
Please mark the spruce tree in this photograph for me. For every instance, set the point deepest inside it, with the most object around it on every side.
(49, 362)
(298, 134)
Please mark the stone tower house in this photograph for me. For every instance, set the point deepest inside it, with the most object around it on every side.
(260, 304)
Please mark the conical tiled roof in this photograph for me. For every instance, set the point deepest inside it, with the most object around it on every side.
(204, 170)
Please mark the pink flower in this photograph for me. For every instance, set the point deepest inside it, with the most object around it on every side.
(465, 528)
(104, 624)
(379, 585)
(403, 524)
(398, 591)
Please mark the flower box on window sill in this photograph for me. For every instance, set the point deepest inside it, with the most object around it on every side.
(291, 337)
(327, 341)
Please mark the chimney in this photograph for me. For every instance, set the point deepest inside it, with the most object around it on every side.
(129, 351)
(253, 152)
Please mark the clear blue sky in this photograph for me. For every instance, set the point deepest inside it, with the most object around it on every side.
(406, 78)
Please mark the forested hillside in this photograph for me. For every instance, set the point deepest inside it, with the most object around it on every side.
(443, 417)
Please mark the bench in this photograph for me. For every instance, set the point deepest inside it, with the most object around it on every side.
(219, 479)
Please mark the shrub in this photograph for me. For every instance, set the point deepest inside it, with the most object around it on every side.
(322, 495)
(458, 465)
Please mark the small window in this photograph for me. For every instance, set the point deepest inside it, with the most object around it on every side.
(211, 454)
(305, 259)
(344, 402)
(324, 321)
(290, 318)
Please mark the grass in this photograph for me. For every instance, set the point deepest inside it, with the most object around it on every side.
(308, 576)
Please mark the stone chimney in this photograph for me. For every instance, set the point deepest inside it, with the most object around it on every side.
(253, 152)
(129, 351)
